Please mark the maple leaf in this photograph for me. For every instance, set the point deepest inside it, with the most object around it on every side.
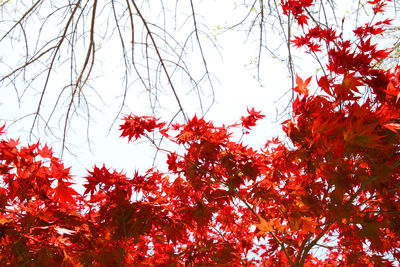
(172, 162)
(65, 194)
(45, 152)
(137, 126)
(392, 91)
(365, 136)
(350, 83)
(303, 20)
(307, 224)
(251, 119)
(301, 87)
(264, 226)
(300, 41)
(5, 220)
(325, 84)
(394, 127)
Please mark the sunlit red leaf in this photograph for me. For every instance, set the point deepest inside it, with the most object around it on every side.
(64, 194)
(45, 152)
(302, 85)
(251, 119)
(264, 227)
(395, 127)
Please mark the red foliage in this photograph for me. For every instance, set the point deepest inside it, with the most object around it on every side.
(251, 119)
(136, 126)
(337, 185)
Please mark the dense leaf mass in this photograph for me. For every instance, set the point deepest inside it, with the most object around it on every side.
(336, 185)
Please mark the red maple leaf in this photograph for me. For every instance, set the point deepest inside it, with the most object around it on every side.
(251, 119)
(64, 194)
(301, 87)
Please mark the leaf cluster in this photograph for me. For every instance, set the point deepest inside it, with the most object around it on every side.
(335, 187)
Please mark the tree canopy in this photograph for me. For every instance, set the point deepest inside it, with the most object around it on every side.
(328, 196)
